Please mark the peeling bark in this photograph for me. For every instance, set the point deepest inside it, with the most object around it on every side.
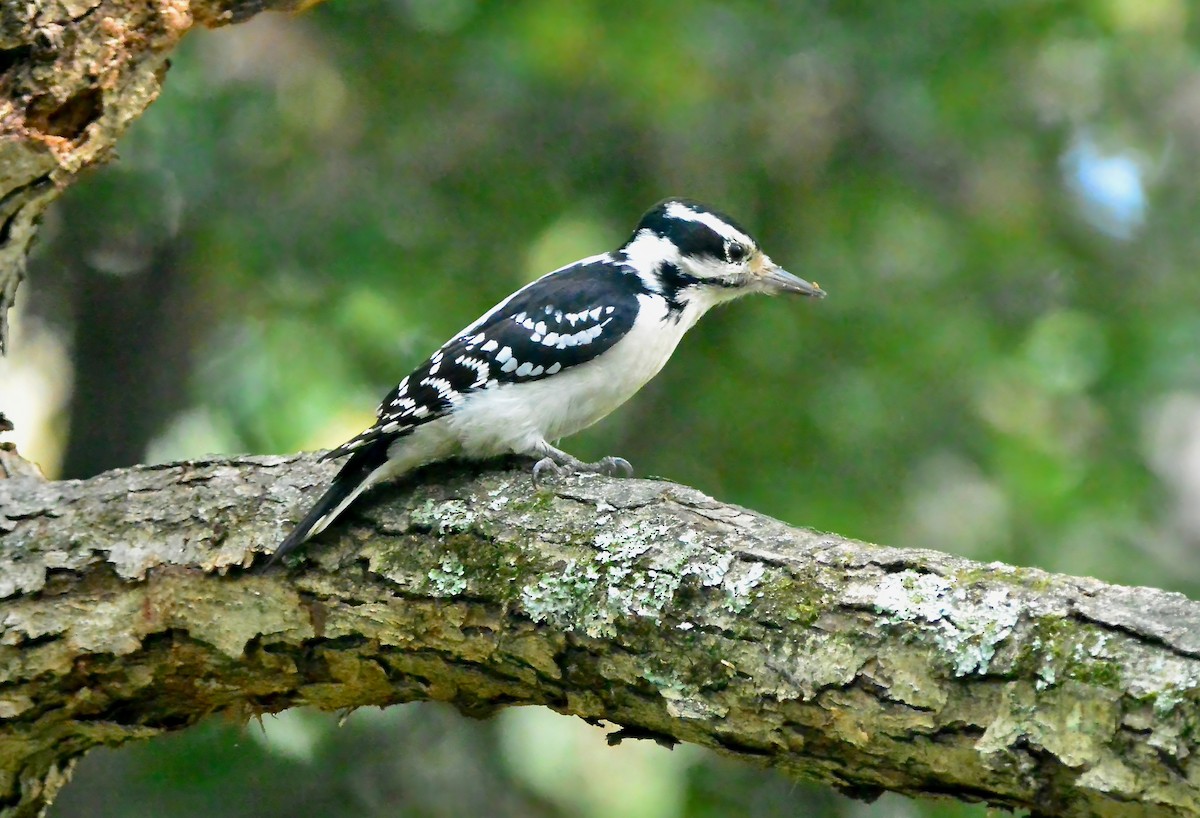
(128, 610)
(73, 75)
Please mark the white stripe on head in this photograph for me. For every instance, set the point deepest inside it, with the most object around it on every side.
(678, 210)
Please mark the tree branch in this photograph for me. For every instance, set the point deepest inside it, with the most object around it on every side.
(127, 611)
(73, 75)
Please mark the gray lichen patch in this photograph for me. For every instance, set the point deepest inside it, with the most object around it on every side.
(1160, 690)
(568, 599)
(968, 625)
(1056, 650)
(635, 572)
(470, 552)
(740, 584)
(448, 579)
(1169, 690)
(444, 516)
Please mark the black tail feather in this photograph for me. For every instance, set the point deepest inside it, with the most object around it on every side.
(349, 480)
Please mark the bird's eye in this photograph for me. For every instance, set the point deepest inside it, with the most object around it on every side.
(735, 252)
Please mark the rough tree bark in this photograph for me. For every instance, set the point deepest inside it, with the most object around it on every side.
(128, 610)
(73, 75)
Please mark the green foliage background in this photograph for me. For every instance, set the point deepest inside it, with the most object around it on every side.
(998, 195)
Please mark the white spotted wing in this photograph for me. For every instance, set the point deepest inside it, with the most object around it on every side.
(564, 319)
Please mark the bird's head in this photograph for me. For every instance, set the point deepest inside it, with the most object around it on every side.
(689, 248)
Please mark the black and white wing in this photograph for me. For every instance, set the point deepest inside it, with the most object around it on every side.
(562, 320)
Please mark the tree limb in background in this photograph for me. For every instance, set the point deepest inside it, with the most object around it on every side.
(73, 75)
(128, 611)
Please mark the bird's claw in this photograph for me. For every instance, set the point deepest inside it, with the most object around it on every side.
(614, 467)
(608, 466)
(546, 464)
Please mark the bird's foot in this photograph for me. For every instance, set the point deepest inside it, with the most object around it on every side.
(545, 466)
(559, 466)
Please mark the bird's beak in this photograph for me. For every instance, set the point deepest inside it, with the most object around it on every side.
(779, 280)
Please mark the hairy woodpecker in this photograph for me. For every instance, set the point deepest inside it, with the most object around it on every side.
(557, 355)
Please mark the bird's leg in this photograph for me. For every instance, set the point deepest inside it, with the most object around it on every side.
(556, 461)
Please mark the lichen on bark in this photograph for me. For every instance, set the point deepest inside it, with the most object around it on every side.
(641, 603)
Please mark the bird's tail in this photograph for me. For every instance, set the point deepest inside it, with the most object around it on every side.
(361, 471)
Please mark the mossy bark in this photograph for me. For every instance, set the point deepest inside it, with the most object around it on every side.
(129, 608)
(73, 75)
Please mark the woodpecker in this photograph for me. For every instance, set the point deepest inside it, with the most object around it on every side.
(557, 355)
